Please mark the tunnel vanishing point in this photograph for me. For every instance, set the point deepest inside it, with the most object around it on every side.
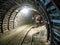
(50, 10)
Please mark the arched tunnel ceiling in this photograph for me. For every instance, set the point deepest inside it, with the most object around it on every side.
(7, 8)
(50, 10)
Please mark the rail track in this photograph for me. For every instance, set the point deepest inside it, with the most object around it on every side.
(13, 37)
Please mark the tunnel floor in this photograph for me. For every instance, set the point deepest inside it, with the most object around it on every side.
(25, 35)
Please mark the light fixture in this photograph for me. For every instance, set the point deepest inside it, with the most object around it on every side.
(25, 10)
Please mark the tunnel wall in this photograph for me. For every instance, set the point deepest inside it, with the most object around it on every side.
(4, 7)
(53, 14)
(7, 18)
(49, 8)
(8, 13)
(12, 18)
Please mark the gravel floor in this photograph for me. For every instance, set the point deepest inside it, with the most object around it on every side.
(36, 36)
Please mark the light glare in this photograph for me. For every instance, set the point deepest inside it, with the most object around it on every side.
(25, 10)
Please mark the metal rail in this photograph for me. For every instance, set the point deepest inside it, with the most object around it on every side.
(26, 35)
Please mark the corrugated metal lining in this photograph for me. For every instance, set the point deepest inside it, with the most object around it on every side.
(54, 15)
(48, 6)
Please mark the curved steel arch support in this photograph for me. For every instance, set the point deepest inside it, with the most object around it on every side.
(54, 15)
(6, 18)
(49, 8)
(4, 7)
(12, 18)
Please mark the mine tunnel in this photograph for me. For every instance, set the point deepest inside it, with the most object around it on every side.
(29, 22)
